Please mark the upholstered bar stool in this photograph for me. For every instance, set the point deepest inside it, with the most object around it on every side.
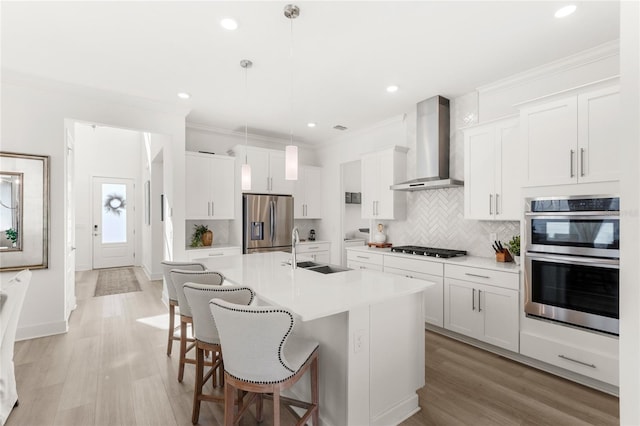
(262, 356)
(206, 333)
(167, 266)
(179, 277)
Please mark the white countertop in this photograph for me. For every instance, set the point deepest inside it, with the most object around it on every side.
(471, 261)
(306, 242)
(311, 295)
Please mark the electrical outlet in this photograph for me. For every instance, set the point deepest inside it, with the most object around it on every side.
(358, 341)
(492, 237)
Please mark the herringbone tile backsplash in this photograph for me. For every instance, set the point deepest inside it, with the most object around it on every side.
(435, 218)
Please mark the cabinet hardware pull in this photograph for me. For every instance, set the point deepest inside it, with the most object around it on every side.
(475, 275)
(213, 209)
(268, 184)
(208, 208)
(497, 204)
(314, 248)
(479, 305)
(572, 152)
(409, 276)
(473, 299)
(576, 361)
(490, 204)
(216, 254)
(581, 161)
(362, 257)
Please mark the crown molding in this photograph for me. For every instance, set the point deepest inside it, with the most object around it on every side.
(17, 78)
(228, 132)
(595, 54)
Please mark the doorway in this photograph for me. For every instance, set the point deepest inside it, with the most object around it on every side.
(113, 222)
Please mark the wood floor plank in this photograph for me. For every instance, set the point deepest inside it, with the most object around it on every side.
(111, 368)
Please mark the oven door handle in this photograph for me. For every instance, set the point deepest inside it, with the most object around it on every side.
(574, 215)
(576, 260)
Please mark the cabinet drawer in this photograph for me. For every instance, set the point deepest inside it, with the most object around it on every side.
(485, 276)
(597, 365)
(354, 264)
(313, 247)
(203, 253)
(414, 265)
(360, 256)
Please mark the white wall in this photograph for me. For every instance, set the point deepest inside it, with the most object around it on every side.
(33, 118)
(630, 220)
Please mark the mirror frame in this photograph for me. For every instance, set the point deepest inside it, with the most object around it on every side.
(18, 217)
(35, 207)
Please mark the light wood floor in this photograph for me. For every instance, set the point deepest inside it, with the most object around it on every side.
(111, 368)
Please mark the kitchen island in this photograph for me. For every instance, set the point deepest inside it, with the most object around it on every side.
(369, 324)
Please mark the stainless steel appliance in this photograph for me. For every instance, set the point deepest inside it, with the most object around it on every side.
(428, 251)
(267, 223)
(572, 260)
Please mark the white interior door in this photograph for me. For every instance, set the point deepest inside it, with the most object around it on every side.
(70, 262)
(113, 222)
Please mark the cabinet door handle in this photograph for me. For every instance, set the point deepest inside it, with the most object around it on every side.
(213, 209)
(268, 184)
(473, 299)
(479, 304)
(271, 183)
(475, 275)
(209, 208)
(497, 204)
(215, 254)
(581, 161)
(362, 257)
(576, 361)
(571, 154)
(409, 276)
(314, 248)
(490, 204)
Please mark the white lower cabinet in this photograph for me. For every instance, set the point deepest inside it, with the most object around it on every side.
(364, 260)
(199, 253)
(319, 251)
(482, 304)
(422, 270)
(598, 362)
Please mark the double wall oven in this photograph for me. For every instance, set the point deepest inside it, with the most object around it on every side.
(572, 261)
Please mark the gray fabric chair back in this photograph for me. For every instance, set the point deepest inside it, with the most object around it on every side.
(179, 277)
(168, 265)
(252, 340)
(198, 296)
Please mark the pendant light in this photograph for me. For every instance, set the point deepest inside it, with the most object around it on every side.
(291, 11)
(246, 168)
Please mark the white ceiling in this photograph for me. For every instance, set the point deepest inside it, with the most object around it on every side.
(345, 53)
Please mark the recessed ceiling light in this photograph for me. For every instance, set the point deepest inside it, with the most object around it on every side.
(565, 11)
(229, 24)
(311, 124)
(184, 95)
(392, 89)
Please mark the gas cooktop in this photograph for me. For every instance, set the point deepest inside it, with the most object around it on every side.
(428, 251)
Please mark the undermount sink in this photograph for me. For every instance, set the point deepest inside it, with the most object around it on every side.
(322, 268)
(327, 269)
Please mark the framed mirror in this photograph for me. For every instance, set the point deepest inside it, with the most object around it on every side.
(24, 211)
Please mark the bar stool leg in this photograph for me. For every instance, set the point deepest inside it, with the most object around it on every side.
(183, 349)
(198, 385)
(314, 390)
(172, 327)
(229, 404)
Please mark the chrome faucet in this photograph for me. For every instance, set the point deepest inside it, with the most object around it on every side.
(295, 239)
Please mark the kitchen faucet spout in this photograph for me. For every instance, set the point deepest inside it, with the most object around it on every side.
(295, 239)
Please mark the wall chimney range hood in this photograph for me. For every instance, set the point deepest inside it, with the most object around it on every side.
(432, 148)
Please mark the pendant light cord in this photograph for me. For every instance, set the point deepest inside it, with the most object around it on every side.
(291, 78)
(246, 112)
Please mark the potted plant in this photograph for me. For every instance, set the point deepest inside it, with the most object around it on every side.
(202, 236)
(12, 235)
(514, 248)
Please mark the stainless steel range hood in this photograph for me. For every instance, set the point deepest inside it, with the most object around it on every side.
(432, 148)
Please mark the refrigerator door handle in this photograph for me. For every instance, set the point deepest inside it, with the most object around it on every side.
(272, 219)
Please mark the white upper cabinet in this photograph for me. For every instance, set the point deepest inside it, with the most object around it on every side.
(599, 135)
(267, 170)
(379, 171)
(209, 186)
(491, 171)
(571, 140)
(307, 191)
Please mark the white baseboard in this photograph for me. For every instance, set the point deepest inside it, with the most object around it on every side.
(41, 330)
(398, 413)
(150, 276)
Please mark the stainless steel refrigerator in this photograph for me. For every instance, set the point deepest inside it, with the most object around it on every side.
(267, 223)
